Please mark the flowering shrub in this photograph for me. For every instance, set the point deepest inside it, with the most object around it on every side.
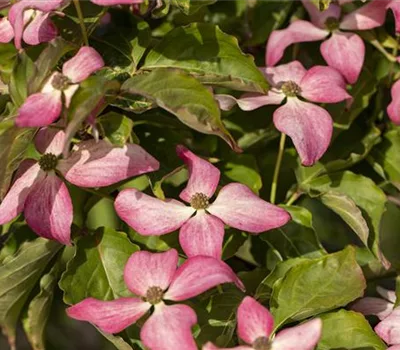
(200, 174)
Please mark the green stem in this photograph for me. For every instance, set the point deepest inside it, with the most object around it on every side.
(81, 22)
(277, 168)
(381, 49)
(293, 198)
(394, 53)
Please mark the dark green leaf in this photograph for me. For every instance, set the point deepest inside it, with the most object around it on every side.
(117, 128)
(209, 54)
(23, 71)
(182, 95)
(189, 7)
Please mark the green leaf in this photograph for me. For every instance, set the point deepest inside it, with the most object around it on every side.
(90, 97)
(18, 276)
(317, 286)
(101, 213)
(8, 54)
(189, 7)
(97, 267)
(23, 71)
(297, 238)
(117, 128)
(390, 238)
(13, 144)
(348, 211)
(40, 306)
(348, 330)
(183, 96)
(371, 200)
(210, 55)
(387, 154)
(322, 5)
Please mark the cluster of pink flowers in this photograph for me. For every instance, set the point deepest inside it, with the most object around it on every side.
(40, 191)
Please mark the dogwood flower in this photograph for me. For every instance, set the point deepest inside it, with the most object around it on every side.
(154, 278)
(308, 125)
(255, 325)
(389, 327)
(202, 234)
(393, 109)
(42, 195)
(115, 2)
(29, 20)
(344, 51)
(43, 108)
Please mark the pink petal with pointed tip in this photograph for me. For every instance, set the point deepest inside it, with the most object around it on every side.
(324, 85)
(373, 306)
(394, 347)
(151, 216)
(16, 14)
(293, 71)
(110, 316)
(369, 16)
(211, 346)
(389, 295)
(169, 327)
(13, 202)
(144, 270)
(203, 176)
(6, 30)
(345, 52)
(298, 32)
(309, 126)
(202, 234)
(50, 140)
(302, 337)
(250, 101)
(389, 328)
(319, 17)
(39, 109)
(393, 109)
(238, 207)
(198, 274)
(254, 320)
(115, 2)
(40, 30)
(83, 64)
(48, 209)
(99, 164)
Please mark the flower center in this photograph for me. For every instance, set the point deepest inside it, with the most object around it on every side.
(48, 161)
(332, 23)
(60, 82)
(199, 201)
(154, 295)
(291, 89)
(262, 343)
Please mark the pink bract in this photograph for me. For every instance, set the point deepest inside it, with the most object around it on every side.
(43, 196)
(308, 125)
(154, 277)
(343, 51)
(29, 20)
(255, 325)
(44, 108)
(202, 234)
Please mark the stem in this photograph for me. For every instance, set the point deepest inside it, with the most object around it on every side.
(294, 197)
(81, 22)
(277, 168)
(394, 53)
(381, 49)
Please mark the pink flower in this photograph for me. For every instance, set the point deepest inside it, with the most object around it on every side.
(393, 109)
(35, 15)
(389, 327)
(374, 14)
(44, 197)
(343, 51)
(45, 107)
(308, 125)
(154, 277)
(115, 2)
(255, 325)
(203, 233)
